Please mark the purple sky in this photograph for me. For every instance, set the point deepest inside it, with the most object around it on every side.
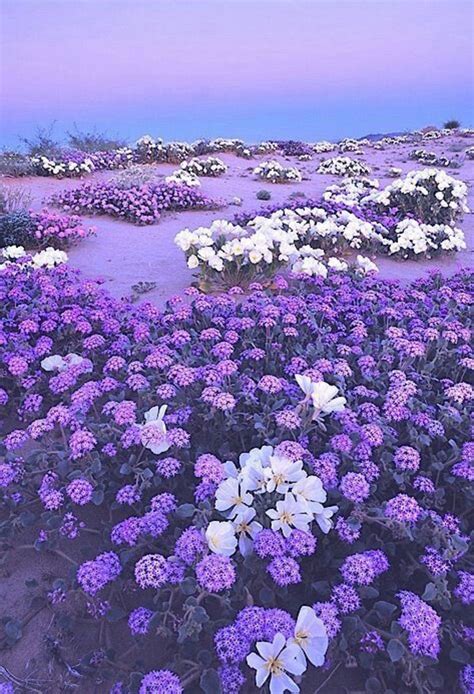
(255, 69)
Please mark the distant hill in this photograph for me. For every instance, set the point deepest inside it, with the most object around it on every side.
(378, 136)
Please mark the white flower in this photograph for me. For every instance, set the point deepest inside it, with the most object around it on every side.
(58, 363)
(323, 518)
(282, 473)
(193, 261)
(221, 538)
(366, 265)
(310, 489)
(153, 432)
(275, 659)
(11, 252)
(232, 496)
(290, 513)
(325, 399)
(53, 363)
(246, 528)
(306, 384)
(310, 636)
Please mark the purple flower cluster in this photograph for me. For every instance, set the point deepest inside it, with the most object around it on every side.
(138, 204)
(395, 461)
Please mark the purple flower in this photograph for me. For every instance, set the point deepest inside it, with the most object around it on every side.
(160, 682)
(421, 623)
(215, 573)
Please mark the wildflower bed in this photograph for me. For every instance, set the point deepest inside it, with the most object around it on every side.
(273, 485)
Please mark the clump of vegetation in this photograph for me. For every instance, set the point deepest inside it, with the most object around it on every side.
(15, 229)
(15, 164)
(43, 143)
(263, 195)
(452, 124)
(14, 200)
(93, 140)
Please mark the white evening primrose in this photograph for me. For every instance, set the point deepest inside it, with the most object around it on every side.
(233, 497)
(310, 636)
(275, 660)
(326, 400)
(290, 513)
(246, 528)
(283, 473)
(221, 538)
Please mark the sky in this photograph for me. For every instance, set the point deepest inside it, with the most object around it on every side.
(254, 69)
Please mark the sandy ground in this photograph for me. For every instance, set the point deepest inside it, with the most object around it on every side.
(123, 254)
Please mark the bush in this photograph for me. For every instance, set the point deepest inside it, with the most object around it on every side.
(15, 229)
(93, 141)
(452, 124)
(42, 144)
(343, 166)
(14, 199)
(263, 195)
(430, 196)
(274, 172)
(15, 164)
(39, 230)
(212, 166)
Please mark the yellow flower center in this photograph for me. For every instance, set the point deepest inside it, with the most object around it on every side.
(274, 666)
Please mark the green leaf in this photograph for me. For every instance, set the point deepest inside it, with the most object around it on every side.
(13, 630)
(395, 650)
(210, 683)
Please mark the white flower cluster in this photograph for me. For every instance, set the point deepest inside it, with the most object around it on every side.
(323, 146)
(430, 158)
(151, 149)
(225, 144)
(289, 499)
(424, 192)
(350, 190)
(292, 237)
(266, 147)
(350, 145)
(469, 153)
(212, 166)
(275, 659)
(58, 363)
(184, 177)
(392, 140)
(48, 258)
(50, 167)
(274, 172)
(343, 166)
(394, 172)
(433, 135)
(414, 237)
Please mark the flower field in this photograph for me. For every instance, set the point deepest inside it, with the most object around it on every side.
(259, 482)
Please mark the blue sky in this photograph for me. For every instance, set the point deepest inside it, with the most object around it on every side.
(306, 69)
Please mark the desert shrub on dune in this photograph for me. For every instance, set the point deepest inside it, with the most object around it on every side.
(429, 195)
(452, 124)
(93, 140)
